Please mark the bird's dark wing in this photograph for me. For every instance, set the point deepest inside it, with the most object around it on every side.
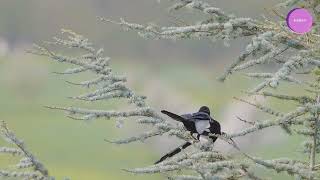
(200, 116)
(199, 121)
(187, 116)
(186, 119)
(173, 152)
(173, 116)
(215, 128)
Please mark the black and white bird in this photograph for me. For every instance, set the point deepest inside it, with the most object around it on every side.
(199, 123)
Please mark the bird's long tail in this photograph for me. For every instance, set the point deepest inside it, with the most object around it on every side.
(173, 152)
(173, 116)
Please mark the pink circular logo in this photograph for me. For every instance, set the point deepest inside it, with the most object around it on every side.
(299, 20)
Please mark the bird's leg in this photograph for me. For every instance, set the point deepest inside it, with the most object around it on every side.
(198, 137)
(191, 134)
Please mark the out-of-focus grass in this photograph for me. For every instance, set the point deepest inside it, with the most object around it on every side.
(76, 149)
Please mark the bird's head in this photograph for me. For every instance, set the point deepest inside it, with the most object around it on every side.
(205, 109)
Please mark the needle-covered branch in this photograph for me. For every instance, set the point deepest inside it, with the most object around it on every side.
(29, 167)
(271, 42)
(262, 108)
(219, 25)
(299, 99)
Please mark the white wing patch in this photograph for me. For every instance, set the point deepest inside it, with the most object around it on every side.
(201, 126)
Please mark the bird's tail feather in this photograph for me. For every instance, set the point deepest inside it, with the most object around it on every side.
(173, 116)
(173, 152)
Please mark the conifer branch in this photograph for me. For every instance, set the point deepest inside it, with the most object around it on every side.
(29, 166)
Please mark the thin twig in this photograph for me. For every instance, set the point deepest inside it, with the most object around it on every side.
(248, 122)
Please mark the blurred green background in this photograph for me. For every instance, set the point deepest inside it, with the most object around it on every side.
(179, 76)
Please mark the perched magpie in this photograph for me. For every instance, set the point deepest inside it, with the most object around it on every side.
(200, 123)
